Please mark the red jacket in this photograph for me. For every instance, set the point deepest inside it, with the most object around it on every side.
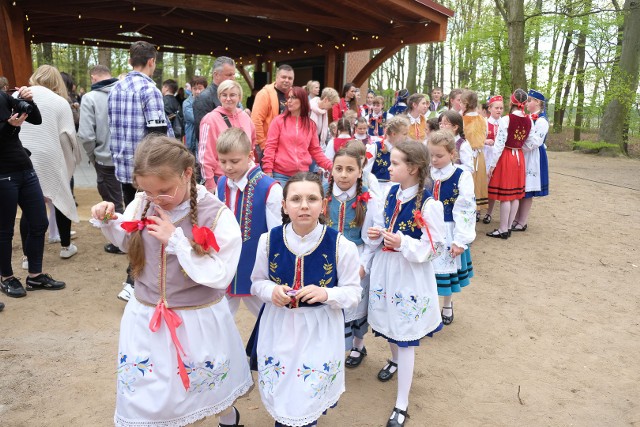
(289, 148)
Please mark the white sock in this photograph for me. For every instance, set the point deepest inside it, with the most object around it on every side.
(406, 360)
(394, 357)
(447, 306)
(359, 344)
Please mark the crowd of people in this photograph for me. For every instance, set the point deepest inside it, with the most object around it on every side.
(326, 216)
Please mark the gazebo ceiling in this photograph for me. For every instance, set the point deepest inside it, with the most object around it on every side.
(244, 30)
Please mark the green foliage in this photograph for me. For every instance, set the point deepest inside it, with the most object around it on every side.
(595, 146)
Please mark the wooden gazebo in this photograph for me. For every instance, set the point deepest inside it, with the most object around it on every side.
(251, 32)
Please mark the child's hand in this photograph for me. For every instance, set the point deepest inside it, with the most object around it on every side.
(374, 233)
(104, 211)
(163, 228)
(455, 250)
(312, 294)
(362, 272)
(279, 296)
(490, 174)
(392, 240)
(489, 142)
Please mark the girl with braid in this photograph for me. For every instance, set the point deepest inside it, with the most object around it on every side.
(180, 357)
(403, 296)
(351, 209)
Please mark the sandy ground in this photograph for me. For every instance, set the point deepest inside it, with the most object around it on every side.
(547, 334)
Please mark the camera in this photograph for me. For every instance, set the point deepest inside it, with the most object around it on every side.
(21, 106)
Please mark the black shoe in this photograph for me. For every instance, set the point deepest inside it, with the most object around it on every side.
(112, 249)
(354, 362)
(393, 421)
(499, 235)
(236, 424)
(44, 281)
(516, 226)
(1, 306)
(447, 320)
(12, 287)
(385, 373)
(486, 219)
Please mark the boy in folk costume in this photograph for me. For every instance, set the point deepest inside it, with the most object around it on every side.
(377, 119)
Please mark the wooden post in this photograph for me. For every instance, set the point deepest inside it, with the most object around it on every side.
(330, 69)
(15, 52)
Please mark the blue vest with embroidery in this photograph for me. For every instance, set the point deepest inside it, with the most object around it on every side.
(381, 163)
(251, 213)
(404, 220)
(342, 217)
(382, 121)
(318, 267)
(542, 115)
(449, 193)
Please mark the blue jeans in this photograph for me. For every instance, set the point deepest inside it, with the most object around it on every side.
(282, 179)
(22, 189)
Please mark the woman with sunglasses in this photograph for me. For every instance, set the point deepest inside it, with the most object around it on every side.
(292, 141)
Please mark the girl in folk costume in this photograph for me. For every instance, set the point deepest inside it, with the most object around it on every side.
(255, 200)
(400, 106)
(360, 132)
(344, 135)
(183, 247)
(377, 119)
(351, 210)
(379, 153)
(306, 273)
(452, 121)
(455, 101)
(535, 160)
(403, 296)
(418, 106)
(347, 102)
(495, 106)
(454, 188)
(475, 130)
(367, 107)
(507, 171)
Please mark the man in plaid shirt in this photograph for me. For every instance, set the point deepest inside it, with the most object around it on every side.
(135, 110)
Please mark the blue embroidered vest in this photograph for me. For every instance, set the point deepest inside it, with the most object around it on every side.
(403, 221)
(382, 121)
(251, 213)
(316, 267)
(448, 193)
(542, 115)
(342, 217)
(381, 164)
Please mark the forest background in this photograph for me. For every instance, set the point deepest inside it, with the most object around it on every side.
(582, 54)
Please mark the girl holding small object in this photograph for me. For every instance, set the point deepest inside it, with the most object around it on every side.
(403, 296)
(454, 188)
(351, 210)
(306, 273)
(180, 355)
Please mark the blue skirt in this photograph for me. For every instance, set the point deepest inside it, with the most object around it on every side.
(414, 343)
(449, 283)
(544, 176)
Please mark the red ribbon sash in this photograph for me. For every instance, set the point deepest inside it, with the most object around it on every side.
(173, 321)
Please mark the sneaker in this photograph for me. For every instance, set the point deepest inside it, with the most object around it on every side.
(44, 281)
(112, 249)
(12, 287)
(69, 251)
(57, 238)
(126, 293)
(25, 263)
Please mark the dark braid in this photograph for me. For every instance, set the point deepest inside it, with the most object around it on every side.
(193, 212)
(136, 247)
(329, 194)
(361, 207)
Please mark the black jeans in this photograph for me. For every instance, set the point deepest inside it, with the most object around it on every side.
(108, 186)
(22, 189)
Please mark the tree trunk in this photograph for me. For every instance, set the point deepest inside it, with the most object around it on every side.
(580, 74)
(158, 73)
(47, 53)
(430, 74)
(536, 43)
(176, 73)
(412, 71)
(513, 13)
(624, 81)
(567, 90)
(557, 123)
(442, 66)
(104, 56)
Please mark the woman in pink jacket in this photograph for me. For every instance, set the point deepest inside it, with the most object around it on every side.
(214, 123)
(292, 140)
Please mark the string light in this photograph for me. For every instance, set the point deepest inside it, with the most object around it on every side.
(79, 16)
(226, 19)
(391, 22)
(191, 33)
(307, 30)
(26, 17)
(182, 31)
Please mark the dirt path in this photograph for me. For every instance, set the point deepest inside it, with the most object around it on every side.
(547, 334)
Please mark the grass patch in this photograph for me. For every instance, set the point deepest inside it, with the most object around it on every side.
(596, 146)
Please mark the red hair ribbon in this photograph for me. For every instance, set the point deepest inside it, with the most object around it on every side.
(368, 155)
(517, 103)
(204, 237)
(495, 99)
(136, 225)
(422, 223)
(364, 197)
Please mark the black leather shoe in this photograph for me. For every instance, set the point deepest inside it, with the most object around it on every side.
(112, 249)
(393, 421)
(1, 306)
(44, 281)
(12, 287)
(385, 373)
(499, 235)
(236, 424)
(447, 320)
(354, 362)
(516, 226)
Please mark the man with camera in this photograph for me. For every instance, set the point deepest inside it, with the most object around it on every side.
(19, 186)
